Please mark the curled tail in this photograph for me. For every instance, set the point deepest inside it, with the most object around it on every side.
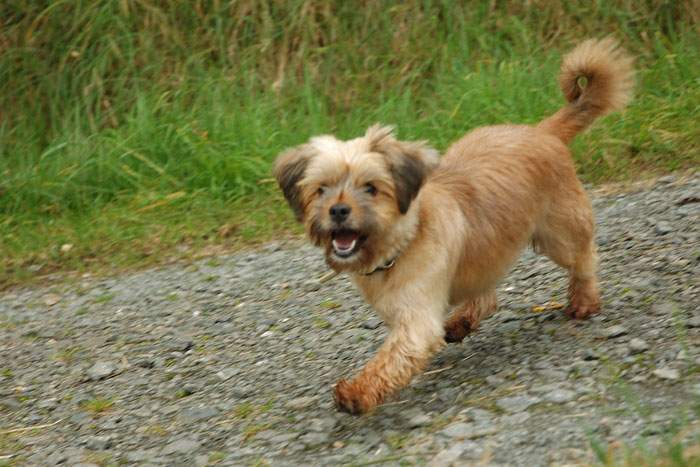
(609, 79)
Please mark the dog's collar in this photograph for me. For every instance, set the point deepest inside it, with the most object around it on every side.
(388, 265)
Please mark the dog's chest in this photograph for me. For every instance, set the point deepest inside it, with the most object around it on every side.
(380, 295)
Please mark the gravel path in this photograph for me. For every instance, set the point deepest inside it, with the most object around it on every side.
(231, 361)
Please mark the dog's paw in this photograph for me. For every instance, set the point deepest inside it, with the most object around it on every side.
(582, 310)
(457, 329)
(349, 397)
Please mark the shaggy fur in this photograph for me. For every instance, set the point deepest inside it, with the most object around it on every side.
(453, 228)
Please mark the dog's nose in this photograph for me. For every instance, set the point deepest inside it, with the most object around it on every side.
(339, 212)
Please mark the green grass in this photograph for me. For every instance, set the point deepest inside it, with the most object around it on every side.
(142, 132)
(97, 405)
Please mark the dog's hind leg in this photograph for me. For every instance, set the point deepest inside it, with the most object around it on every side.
(567, 237)
(467, 316)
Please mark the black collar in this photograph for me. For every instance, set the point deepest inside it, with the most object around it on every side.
(388, 265)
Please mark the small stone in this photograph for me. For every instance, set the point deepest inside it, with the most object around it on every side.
(242, 391)
(372, 323)
(463, 430)
(101, 370)
(667, 373)
(418, 421)
(494, 381)
(637, 345)
(196, 414)
(693, 322)
(663, 308)
(560, 396)
(590, 354)
(227, 373)
(187, 390)
(666, 179)
(52, 299)
(695, 390)
(457, 430)
(451, 455)
(179, 344)
(147, 363)
(315, 439)
(516, 403)
(688, 197)
(283, 438)
(614, 331)
(322, 425)
(663, 228)
(139, 455)
(47, 404)
(300, 403)
(98, 443)
(181, 446)
(312, 285)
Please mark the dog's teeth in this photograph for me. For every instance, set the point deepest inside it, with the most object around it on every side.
(343, 250)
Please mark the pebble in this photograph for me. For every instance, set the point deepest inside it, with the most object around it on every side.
(227, 373)
(667, 373)
(372, 323)
(98, 443)
(196, 414)
(180, 344)
(560, 396)
(101, 370)
(418, 421)
(663, 228)
(469, 430)
(451, 455)
(637, 345)
(614, 331)
(693, 322)
(544, 378)
(314, 439)
(301, 403)
(516, 404)
(324, 425)
(180, 446)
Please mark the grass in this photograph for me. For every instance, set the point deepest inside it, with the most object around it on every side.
(679, 446)
(97, 405)
(134, 133)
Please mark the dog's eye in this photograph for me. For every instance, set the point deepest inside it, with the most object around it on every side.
(371, 189)
(321, 190)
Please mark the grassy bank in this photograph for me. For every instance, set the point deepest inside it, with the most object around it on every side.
(139, 131)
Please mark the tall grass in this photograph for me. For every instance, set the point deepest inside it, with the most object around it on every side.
(130, 113)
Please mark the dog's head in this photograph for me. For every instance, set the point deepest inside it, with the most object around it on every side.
(351, 194)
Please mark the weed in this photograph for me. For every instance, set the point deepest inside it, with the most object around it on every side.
(104, 298)
(97, 405)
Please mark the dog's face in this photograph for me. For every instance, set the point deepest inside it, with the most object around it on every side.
(351, 194)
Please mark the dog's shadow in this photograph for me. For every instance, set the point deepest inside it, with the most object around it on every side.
(506, 350)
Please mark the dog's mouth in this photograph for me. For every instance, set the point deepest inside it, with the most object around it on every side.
(346, 242)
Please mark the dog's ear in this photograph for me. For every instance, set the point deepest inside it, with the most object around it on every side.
(289, 169)
(409, 162)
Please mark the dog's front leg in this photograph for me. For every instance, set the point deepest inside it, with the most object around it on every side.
(415, 336)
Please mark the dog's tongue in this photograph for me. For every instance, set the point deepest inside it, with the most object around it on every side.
(344, 240)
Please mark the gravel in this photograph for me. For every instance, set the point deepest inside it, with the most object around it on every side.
(231, 360)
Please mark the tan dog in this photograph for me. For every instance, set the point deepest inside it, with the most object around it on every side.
(421, 237)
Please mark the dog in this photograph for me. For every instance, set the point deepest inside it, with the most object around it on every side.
(427, 239)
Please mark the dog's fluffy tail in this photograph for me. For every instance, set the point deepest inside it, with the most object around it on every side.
(596, 78)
